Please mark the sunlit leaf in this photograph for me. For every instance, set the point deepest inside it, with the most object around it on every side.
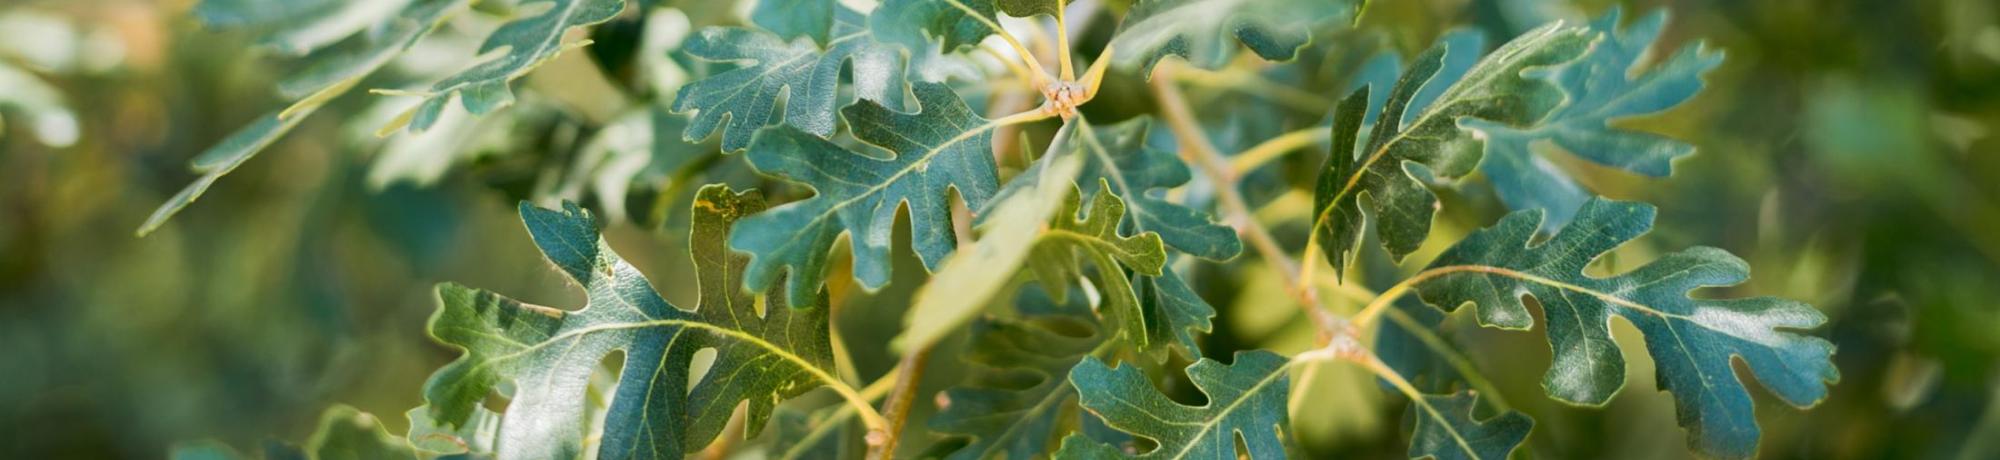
(766, 351)
(1692, 340)
(1016, 399)
(1448, 429)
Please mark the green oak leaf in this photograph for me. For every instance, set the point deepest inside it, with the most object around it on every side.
(806, 78)
(1601, 89)
(766, 351)
(1076, 235)
(1495, 89)
(956, 24)
(1121, 159)
(1692, 340)
(475, 437)
(1015, 399)
(343, 433)
(942, 146)
(1141, 173)
(797, 18)
(331, 75)
(1445, 429)
(529, 42)
(1245, 399)
(1200, 31)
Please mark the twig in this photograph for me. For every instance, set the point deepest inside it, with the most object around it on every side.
(1197, 149)
(882, 444)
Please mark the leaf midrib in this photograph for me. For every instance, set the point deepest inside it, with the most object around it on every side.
(1404, 134)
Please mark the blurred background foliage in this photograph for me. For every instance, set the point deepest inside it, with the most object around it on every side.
(1846, 149)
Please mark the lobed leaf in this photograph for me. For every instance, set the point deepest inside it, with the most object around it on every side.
(1446, 429)
(1496, 89)
(942, 146)
(528, 43)
(766, 351)
(1246, 399)
(1692, 340)
(806, 78)
(1602, 88)
(998, 409)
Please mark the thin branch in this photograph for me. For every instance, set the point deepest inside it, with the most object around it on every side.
(1197, 149)
(910, 372)
(1276, 147)
(1451, 356)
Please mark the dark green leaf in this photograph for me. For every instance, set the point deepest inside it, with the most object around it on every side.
(766, 351)
(1495, 90)
(1141, 174)
(1692, 340)
(799, 72)
(343, 433)
(943, 146)
(1245, 399)
(1012, 404)
(1200, 31)
(1447, 430)
(1601, 88)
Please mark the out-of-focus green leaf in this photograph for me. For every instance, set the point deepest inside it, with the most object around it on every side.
(344, 433)
(475, 437)
(1245, 399)
(1014, 401)
(1495, 89)
(805, 77)
(798, 18)
(1200, 31)
(1602, 88)
(766, 351)
(942, 146)
(1692, 340)
(39, 104)
(1447, 430)
(1120, 157)
(529, 41)
(322, 80)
